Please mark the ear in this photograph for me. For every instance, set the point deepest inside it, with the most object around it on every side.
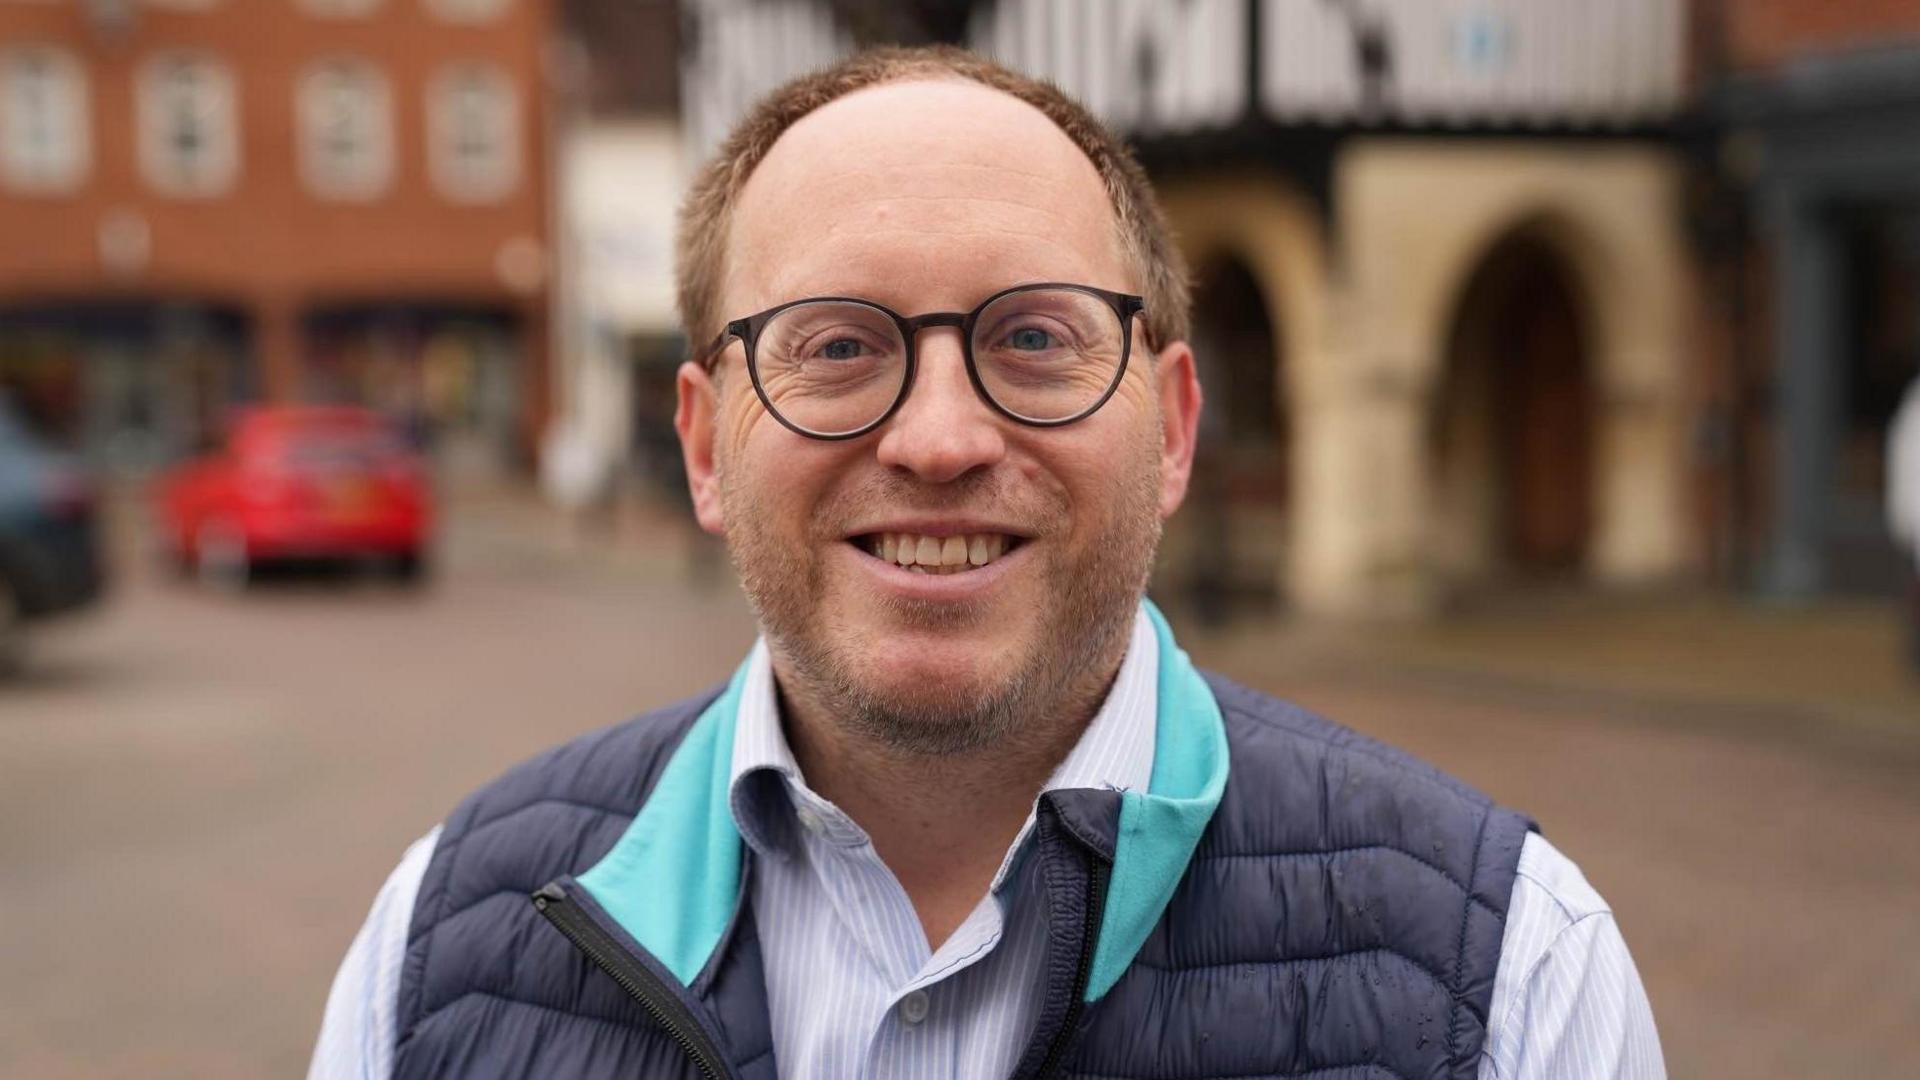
(1180, 399)
(693, 419)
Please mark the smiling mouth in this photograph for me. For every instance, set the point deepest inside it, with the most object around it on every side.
(937, 555)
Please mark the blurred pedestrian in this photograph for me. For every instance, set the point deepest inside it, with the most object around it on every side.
(1903, 505)
(966, 809)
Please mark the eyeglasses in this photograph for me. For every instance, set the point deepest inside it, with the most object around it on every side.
(836, 367)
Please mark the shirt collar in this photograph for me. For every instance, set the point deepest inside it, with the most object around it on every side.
(1115, 751)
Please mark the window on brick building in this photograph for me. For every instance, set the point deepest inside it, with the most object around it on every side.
(467, 11)
(45, 146)
(473, 131)
(345, 114)
(189, 125)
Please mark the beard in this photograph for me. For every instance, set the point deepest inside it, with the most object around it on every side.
(1084, 614)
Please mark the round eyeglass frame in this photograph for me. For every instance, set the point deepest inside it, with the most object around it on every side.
(1124, 305)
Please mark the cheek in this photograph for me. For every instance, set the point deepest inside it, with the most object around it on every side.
(739, 420)
(752, 450)
(1135, 401)
(774, 477)
(1094, 478)
(1114, 446)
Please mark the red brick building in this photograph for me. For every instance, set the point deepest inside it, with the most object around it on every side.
(205, 201)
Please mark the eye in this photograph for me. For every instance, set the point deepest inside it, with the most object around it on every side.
(1030, 339)
(845, 348)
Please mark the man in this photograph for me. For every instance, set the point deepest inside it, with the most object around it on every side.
(966, 810)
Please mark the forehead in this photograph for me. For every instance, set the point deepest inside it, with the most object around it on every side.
(924, 193)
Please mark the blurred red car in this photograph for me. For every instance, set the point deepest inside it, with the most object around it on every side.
(300, 482)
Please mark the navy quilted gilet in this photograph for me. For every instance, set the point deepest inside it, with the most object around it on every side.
(1341, 918)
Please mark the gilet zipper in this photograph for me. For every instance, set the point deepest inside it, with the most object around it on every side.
(641, 984)
(1097, 871)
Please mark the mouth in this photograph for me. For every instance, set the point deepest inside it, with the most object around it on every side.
(937, 555)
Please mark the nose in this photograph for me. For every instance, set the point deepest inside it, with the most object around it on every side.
(943, 430)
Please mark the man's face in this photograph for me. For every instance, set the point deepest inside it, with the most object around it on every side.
(932, 196)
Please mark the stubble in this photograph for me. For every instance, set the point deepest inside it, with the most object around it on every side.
(1097, 584)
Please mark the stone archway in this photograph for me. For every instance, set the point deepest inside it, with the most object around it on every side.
(1258, 250)
(1417, 221)
(1512, 422)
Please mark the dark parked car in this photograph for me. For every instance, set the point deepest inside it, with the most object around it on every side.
(49, 544)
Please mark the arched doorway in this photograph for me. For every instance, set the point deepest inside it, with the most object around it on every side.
(1236, 523)
(1513, 423)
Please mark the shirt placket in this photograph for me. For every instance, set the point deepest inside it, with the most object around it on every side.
(919, 1035)
(913, 1031)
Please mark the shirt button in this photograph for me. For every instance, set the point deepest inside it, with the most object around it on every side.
(809, 820)
(913, 1007)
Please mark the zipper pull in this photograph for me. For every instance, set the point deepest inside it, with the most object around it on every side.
(550, 893)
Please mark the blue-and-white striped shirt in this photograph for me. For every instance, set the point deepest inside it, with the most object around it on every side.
(852, 988)
(854, 991)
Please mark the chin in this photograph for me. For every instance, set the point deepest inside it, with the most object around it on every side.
(923, 672)
(943, 669)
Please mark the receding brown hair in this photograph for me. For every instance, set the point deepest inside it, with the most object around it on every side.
(706, 218)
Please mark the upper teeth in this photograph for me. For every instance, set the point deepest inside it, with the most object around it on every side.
(938, 554)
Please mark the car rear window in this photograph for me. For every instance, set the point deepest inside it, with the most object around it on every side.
(330, 449)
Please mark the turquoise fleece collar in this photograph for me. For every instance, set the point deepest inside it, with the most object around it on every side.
(672, 879)
(1160, 828)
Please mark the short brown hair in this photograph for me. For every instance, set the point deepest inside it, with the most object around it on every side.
(707, 215)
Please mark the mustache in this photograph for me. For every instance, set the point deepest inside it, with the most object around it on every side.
(984, 493)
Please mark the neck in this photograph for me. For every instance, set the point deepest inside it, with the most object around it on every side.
(941, 823)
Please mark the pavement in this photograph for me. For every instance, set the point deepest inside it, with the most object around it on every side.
(200, 792)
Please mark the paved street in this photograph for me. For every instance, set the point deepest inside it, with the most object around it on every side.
(199, 793)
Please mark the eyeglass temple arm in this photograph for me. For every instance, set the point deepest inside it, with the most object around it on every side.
(709, 357)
